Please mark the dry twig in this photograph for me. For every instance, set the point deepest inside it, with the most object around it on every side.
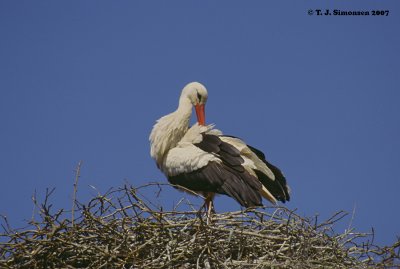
(122, 230)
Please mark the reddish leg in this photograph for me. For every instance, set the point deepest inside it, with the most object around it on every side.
(209, 205)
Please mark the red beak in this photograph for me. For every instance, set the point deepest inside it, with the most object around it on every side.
(201, 116)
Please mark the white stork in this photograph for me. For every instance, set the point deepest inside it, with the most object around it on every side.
(205, 161)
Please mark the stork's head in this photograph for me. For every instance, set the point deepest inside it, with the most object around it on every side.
(197, 94)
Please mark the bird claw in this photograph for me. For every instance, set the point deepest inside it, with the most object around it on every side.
(208, 207)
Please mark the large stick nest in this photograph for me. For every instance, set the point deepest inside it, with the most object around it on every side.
(122, 229)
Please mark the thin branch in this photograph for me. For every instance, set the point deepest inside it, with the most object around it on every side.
(124, 229)
(77, 175)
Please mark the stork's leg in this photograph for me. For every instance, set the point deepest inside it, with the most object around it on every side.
(209, 205)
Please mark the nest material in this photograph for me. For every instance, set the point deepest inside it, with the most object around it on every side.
(121, 229)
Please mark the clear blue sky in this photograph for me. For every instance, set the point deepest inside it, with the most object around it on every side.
(86, 80)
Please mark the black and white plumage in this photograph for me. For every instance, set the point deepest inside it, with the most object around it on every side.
(204, 160)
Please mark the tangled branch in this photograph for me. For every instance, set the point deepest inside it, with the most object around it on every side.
(122, 229)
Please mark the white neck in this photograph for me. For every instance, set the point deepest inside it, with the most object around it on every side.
(169, 130)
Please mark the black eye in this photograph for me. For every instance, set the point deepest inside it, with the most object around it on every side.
(198, 96)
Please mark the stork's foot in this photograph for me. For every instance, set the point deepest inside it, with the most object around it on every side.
(208, 206)
(210, 212)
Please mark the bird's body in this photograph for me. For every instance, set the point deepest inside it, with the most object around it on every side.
(203, 160)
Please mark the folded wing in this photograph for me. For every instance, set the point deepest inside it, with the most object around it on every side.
(206, 161)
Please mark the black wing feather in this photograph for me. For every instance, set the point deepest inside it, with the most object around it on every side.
(220, 178)
(277, 187)
(226, 152)
(229, 177)
(210, 143)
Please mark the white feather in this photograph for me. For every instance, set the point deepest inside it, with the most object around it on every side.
(186, 158)
(173, 128)
(250, 158)
(173, 143)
